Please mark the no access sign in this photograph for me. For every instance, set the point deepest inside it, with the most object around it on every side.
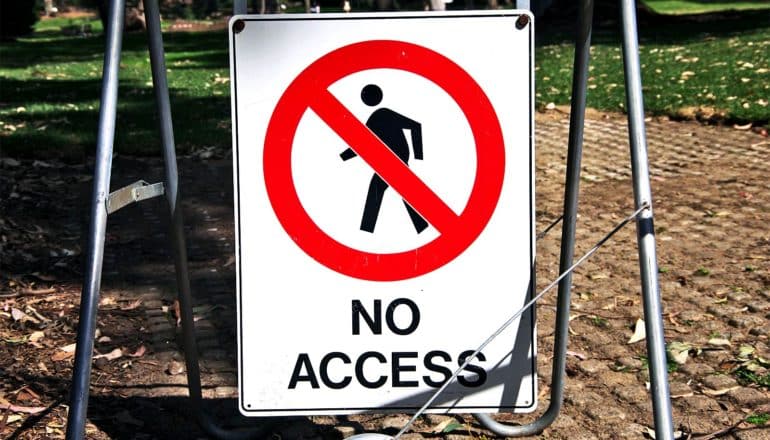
(384, 210)
(310, 91)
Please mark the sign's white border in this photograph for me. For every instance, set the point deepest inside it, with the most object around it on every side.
(246, 408)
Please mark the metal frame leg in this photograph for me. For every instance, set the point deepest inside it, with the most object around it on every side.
(571, 190)
(656, 344)
(160, 86)
(89, 301)
(102, 173)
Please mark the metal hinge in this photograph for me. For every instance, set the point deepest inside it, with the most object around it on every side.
(136, 192)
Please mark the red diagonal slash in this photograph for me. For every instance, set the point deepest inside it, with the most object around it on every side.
(310, 91)
(384, 162)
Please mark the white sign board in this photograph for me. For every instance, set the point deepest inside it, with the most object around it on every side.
(384, 210)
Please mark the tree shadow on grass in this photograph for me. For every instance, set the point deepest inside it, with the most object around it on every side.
(71, 133)
(28, 52)
(156, 414)
(653, 28)
(172, 417)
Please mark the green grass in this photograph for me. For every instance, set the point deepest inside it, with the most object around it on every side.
(702, 271)
(747, 377)
(718, 71)
(600, 322)
(55, 26)
(671, 366)
(50, 88)
(759, 419)
(681, 7)
(50, 83)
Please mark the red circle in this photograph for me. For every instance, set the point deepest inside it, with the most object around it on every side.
(377, 54)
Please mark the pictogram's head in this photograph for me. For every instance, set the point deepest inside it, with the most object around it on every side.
(371, 95)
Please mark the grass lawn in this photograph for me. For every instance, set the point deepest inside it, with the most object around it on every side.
(710, 70)
(55, 26)
(50, 88)
(50, 84)
(680, 7)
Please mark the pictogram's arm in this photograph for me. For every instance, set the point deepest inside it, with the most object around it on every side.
(348, 154)
(417, 140)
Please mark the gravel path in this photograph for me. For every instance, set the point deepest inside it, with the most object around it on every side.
(712, 210)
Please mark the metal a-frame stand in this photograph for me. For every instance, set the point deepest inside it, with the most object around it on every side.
(656, 345)
(104, 203)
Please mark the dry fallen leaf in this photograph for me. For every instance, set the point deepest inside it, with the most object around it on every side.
(107, 301)
(719, 342)
(36, 336)
(42, 164)
(62, 355)
(677, 434)
(13, 418)
(25, 393)
(177, 313)
(70, 348)
(43, 277)
(139, 351)
(132, 305)
(742, 127)
(720, 392)
(22, 409)
(639, 332)
(175, 367)
(7, 161)
(678, 352)
(439, 428)
(64, 352)
(221, 79)
(111, 356)
(18, 315)
(746, 351)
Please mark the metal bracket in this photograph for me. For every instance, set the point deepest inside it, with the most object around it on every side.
(136, 192)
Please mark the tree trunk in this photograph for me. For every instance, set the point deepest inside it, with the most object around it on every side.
(135, 20)
(384, 5)
(103, 8)
(273, 7)
(134, 16)
(437, 5)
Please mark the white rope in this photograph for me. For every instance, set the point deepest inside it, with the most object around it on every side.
(510, 320)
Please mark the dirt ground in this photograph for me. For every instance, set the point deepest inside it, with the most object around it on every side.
(712, 209)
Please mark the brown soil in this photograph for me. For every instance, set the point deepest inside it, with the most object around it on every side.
(712, 210)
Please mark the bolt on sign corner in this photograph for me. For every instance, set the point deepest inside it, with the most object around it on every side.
(384, 210)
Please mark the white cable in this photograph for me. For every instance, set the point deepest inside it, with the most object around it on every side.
(510, 320)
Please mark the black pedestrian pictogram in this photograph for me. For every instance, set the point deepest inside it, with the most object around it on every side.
(389, 127)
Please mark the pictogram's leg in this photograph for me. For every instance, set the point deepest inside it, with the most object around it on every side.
(419, 223)
(377, 189)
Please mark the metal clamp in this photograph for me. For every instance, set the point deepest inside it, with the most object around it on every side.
(136, 192)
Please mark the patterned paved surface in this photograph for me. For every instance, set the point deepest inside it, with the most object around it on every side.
(712, 199)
